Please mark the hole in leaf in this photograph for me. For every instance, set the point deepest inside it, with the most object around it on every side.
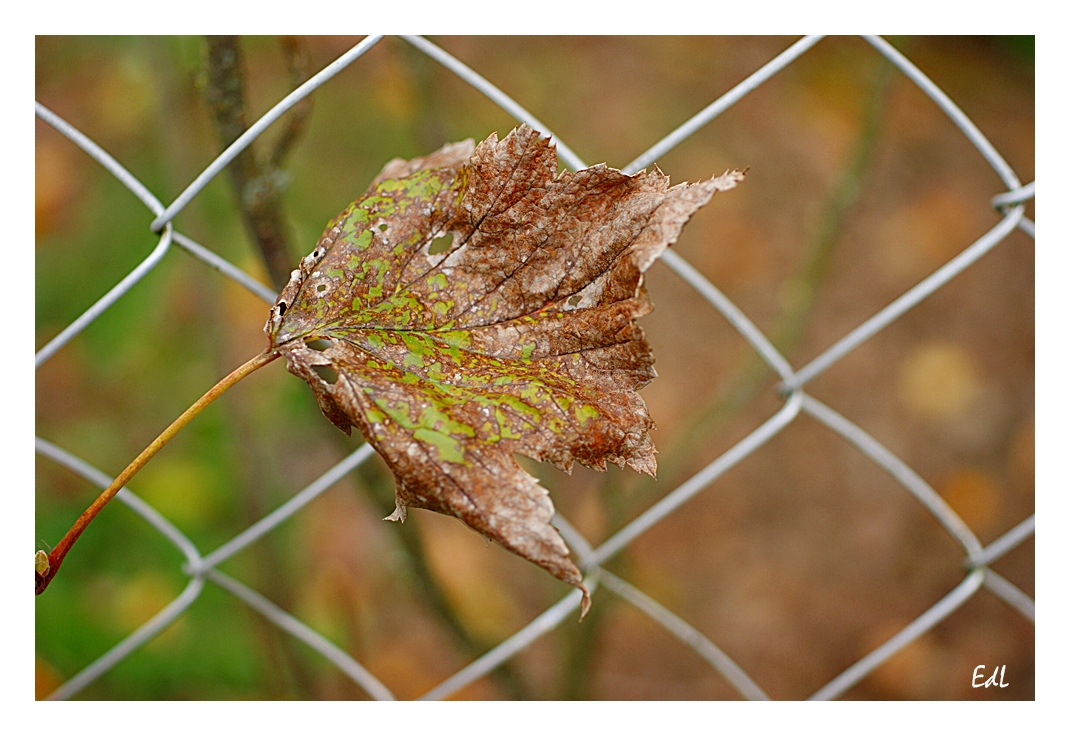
(440, 244)
(282, 308)
(327, 373)
(382, 228)
(321, 288)
(319, 344)
(574, 300)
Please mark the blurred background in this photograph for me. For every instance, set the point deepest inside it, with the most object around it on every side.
(797, 562)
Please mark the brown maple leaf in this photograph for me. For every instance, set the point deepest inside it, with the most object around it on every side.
(475, 304)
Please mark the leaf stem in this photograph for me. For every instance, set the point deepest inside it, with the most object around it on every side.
(55, 557)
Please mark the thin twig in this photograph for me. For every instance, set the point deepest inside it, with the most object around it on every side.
(296, 56)
(258, 183)
(506, 675)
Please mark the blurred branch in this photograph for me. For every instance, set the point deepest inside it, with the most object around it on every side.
(845, 192)
(258, 182)
(287, 674)
(582, 641)
(296, 56)
(504, 675)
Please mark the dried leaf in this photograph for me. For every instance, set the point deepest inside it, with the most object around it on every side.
(473, 305)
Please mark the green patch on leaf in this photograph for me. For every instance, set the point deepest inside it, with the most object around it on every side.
(440, 244)
(449, 449)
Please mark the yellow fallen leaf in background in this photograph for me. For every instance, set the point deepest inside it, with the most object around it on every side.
(938, 381)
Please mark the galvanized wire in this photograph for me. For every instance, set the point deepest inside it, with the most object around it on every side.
(299, 630)
(163, 245)
(943, 608)
(958, 117)
(899, 470)
(544, 623)
(721, 104)
(1010, 204)
(284, 512)
(503, 100)
(199, 568)
(911, 298)
(1011, 595)
(687, 634)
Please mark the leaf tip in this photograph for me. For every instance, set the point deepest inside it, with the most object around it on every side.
(585, 604)
(729, 179)
(398, 514)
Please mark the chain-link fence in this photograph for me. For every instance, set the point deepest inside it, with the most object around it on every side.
(202, 569)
